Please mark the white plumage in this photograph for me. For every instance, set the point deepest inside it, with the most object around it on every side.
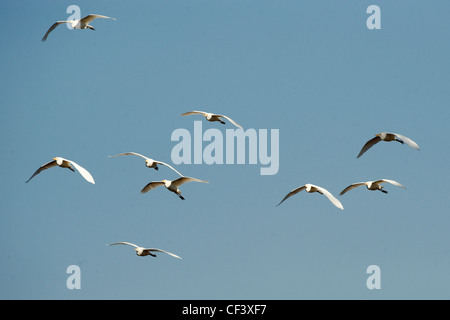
(150, 163)
(372, 185)
(64, 163)
(141, 251)
(387, 136)
(310, 188)
(212, 117)
(77, 24)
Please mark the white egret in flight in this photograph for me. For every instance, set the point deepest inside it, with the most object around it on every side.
(150, 163)
(77, 24)
(141, 251)
(373, 185)
(386, 136)
(170, 185)
(310, 188)
(64, 163)
(212, 117)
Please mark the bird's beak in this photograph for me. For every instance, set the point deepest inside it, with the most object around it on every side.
(377, 135)
(135, 249)
(54, 158)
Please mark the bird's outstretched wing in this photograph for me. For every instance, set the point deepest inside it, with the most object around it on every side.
(57, 23)
(395, 183)
(152, 185)
(330, 197)
(160, 250)
(352, 186)
(290, 194)
(84, 173)
(91, 17)
(368, 145)
(408, 141)
(193, 112)
(231, 120)
(167, 165)
(126, 243)
(128, 154)
(180, 181)
(42, 168)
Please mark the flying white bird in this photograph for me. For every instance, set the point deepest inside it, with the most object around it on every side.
(77, 24)
(141, 251)
(373, 185)
(386, 136)
(170, 185)
(150, 163)
(64, 163)
(212, 117)
(312, 188)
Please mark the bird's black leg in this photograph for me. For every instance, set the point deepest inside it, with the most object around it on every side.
(222, 122)
(181, 197)
(398, 140)
(156, 168)
(384, 191)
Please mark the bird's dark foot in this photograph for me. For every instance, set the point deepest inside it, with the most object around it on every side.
(384, 191)
(156, 168)
(222, 122)
(181, 197)
(398, 140)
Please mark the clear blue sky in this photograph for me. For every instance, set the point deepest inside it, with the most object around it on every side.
(311, 69)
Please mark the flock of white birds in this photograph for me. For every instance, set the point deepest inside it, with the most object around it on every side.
(371, 185)
(173, 185)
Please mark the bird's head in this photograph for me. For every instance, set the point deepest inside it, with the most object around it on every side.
(167, 183)
(58, 160)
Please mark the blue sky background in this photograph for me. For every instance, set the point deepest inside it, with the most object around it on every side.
(311, 69)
